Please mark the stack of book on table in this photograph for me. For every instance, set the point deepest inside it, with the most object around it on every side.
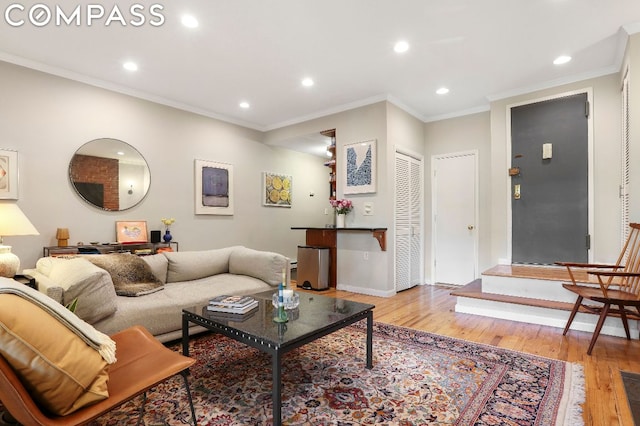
(232, 304)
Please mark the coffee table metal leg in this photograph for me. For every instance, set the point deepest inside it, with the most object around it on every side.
(370, 340)
(276, 392)
(185, 336)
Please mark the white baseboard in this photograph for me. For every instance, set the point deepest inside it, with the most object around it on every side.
(542, 316)
(367, 291)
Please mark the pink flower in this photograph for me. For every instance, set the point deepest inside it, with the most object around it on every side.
(342, 206)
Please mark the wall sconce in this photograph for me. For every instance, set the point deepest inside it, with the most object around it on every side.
(62, 235)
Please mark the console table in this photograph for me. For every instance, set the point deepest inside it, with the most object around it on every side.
(327, 237)
(107, 248)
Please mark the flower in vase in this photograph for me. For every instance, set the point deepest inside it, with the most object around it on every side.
(167, 222)
(343, 206)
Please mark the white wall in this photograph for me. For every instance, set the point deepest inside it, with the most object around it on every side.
(405, 133)
(46, 118)
(487, 132)
(605, 241)
(470, 132)
(632, 63)
(374, 276)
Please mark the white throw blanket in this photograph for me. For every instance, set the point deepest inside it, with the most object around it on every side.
(94, 338)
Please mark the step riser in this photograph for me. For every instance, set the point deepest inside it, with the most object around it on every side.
(527, 287)
(543, 316)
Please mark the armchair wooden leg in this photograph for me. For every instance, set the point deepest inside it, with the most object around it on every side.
(625, 323)
(596, 332)
(573, 314)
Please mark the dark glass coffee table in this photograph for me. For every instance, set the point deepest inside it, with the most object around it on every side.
(315, 317)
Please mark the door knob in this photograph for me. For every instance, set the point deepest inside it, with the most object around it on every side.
(470, 227)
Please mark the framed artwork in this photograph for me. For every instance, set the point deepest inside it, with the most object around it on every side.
(214, 188)
(360, 168)
(276, 189)
(129, 232)
(8, 174)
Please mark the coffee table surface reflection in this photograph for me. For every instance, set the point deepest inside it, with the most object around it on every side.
(315, 317)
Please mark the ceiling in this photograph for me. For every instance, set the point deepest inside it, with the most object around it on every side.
(259, 51)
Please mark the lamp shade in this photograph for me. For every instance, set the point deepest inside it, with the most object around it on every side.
(12, 222)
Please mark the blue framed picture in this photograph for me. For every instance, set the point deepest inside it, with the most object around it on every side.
(359, 169)
(214, 188)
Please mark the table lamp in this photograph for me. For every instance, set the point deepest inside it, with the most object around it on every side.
(12, 222)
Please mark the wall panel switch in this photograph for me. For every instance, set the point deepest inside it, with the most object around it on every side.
(367, 209)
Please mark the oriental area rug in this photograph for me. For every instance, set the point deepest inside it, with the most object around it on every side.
(418, 378)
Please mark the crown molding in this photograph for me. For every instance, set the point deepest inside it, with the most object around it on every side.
(102, 84)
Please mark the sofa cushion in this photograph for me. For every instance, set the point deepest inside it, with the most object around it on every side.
(264, 265)
(160, 312)
(131, 275)
(44, 265)
(57, 367)
(193, 265)
(92, 286)
(159, 265)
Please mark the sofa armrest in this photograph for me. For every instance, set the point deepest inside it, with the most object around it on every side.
(46, 285)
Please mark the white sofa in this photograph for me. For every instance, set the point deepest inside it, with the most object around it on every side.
(158, 286)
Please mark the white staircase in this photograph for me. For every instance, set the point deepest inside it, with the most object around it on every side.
(531, 294)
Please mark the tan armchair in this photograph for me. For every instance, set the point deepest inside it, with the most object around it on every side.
(143, 362)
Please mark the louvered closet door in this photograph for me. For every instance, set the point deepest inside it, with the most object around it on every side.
(408, 222)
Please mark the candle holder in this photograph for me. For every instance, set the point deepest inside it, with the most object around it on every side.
(281, 315)
(290, 302)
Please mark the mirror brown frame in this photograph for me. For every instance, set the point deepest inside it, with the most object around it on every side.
(109, 174)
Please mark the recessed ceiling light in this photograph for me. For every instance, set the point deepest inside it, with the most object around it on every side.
(442, 91)
(189, 21)
(244, 105)
(561, 60)
(401, 46)
(307, 82)
(130, 66)
(120, 153)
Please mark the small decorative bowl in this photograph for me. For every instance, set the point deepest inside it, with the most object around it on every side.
(289, 302)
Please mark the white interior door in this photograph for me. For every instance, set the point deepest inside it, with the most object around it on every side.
(408, 222)
(454, 218)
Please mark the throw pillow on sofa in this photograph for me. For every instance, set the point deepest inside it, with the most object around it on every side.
(131, 275)
(158, 264)
(58, 368)
(193, 265)
(92, 286)
(264, 265)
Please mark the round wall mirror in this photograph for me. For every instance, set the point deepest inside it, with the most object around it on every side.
(109, 174)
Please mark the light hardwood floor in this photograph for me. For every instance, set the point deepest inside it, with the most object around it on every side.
(431, 308)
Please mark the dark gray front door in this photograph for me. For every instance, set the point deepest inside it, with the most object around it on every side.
(550, 217)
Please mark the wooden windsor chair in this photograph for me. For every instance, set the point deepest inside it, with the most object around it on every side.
(618, 289)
